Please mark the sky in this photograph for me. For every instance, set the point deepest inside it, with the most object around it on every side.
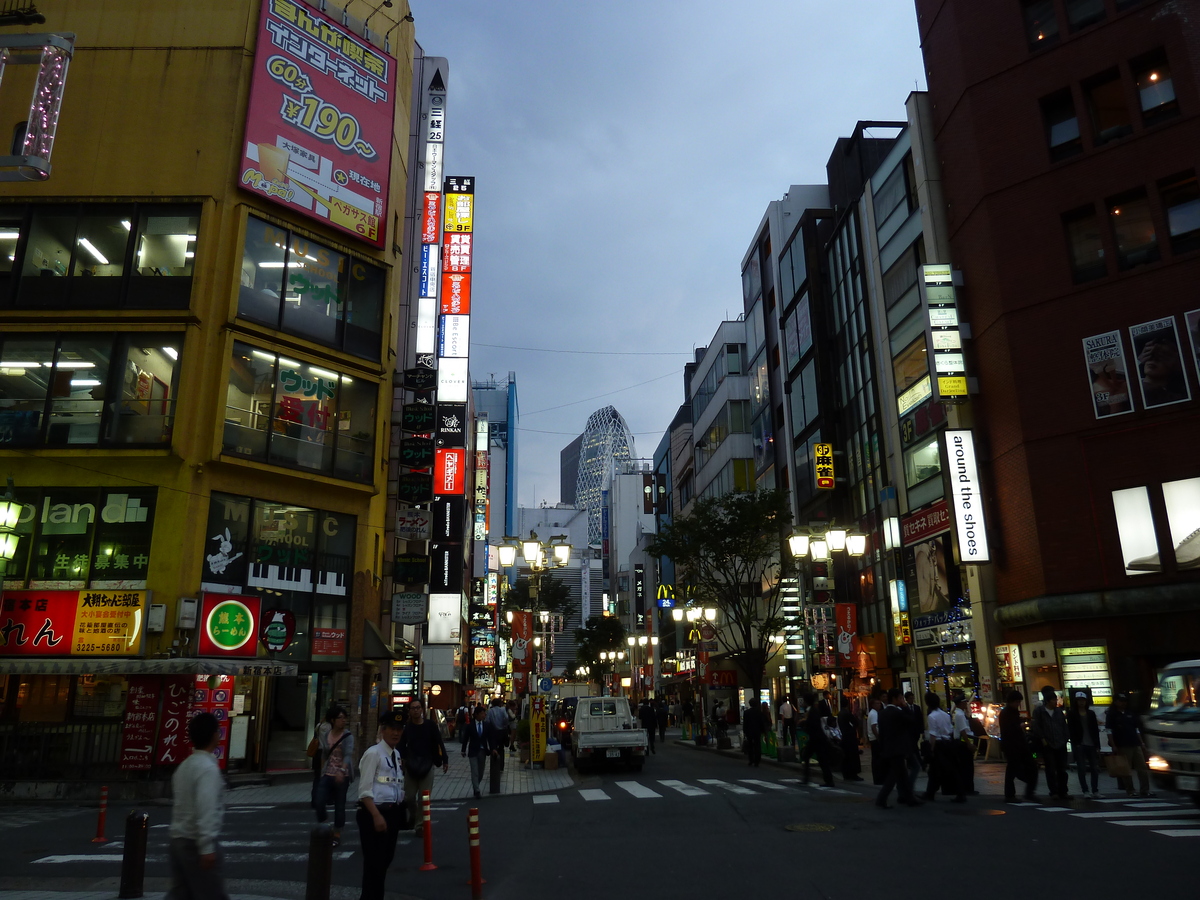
(625, 152)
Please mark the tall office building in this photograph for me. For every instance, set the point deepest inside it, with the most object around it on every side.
(605, 441)
(568, 471)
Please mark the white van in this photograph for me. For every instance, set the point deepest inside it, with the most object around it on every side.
(1172, 730)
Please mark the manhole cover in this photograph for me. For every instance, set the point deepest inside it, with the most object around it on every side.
(809, 826)
(973, 811)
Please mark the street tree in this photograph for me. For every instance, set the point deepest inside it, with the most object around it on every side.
(600, 633)
(554, 595)
(727, 550)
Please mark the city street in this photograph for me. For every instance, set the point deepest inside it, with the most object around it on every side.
(690, 814)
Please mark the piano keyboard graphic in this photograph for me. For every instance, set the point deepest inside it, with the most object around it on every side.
(294, 578)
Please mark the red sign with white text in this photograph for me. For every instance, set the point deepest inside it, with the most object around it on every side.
(319, 123)
(329, 643)
(141, 717)
(449, 465)
(456, 252)
(456, 294)
(847, 627)
(925, 523)
(37, 623)
(173, 744)
(431, 220)
(214, 694)
(522, 643)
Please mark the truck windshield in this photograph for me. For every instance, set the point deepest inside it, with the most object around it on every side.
(1176, 693)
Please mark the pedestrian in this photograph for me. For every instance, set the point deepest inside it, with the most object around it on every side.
(1049, 730)
(198, 790)
(381, 812)
(787, 721)
(817, 745)
(1018, 754)
(964, 746)
(873, 737)
(461, 719)
(848, 724)
(752, 733)
(497, 717)
(943, 768)
(894, 743)
(660, 713)
(649, 722)
(480, 741)
(512, 712)
(1125, 737)
(337, 768)
(1085, 742)
(422, 751)
(688, 711)
(914, 758)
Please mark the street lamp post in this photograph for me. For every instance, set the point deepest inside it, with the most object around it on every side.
(541, 557)
(10, 514)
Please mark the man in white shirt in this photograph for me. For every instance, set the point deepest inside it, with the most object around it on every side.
(943, 770)
(873, 740)
(787, 721)
(198, 790)
(381, 810)
(964, 738)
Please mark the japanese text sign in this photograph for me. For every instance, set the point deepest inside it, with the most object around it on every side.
(319, 123)
(141, 717)
(173, 744)
(448, 471)
(72, 623)
(229, 625)
(823, 466)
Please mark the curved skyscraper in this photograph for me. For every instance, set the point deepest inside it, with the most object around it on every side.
(605, 439)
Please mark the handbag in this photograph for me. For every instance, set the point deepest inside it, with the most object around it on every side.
(1117, 765)
(419, 766)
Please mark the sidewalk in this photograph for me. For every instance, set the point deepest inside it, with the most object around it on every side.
(454, 785)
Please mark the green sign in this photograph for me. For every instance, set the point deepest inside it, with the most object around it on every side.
(230, 624)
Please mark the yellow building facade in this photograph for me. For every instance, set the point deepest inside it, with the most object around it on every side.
(195, 377)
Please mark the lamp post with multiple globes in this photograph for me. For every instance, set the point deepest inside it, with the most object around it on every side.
(697, 614)
(541, 557)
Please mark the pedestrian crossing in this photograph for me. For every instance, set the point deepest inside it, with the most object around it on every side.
(1170, 819)
(21, 816)
(668, 787)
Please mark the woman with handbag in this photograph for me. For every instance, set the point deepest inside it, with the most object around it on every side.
(421, 750)
(336, 754)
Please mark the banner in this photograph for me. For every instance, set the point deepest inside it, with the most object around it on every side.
(1159, 363)
(319, 123)
(1106, 370)
(73, 623)
(141, 717)
(173, 744)
(847, 627)
(522, 643)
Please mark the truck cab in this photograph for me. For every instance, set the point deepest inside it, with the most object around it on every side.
(1172, 730)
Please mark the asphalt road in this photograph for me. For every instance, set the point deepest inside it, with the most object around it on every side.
(691, 820)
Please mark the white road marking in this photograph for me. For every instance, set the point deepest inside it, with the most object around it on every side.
(545, 798)
(594, 794)
(234, 808)
(1126, 814)
(1060, 809)
(80, 857)
(1175, 832)
(1158, 822)
(159, 858)
(245, 844)
(1152, 805)
(637, 789)
(732, 788)
(769, 785)
(686, 789)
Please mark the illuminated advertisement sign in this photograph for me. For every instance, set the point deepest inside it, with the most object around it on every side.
(445, 618)
(431, 217)
(229, 625)
(452, 380)
(318, 136)
(72, 623)
(454, 341)
(823, 466)
(456, 253)
(429, 270)
(426, 338)
(456, 294)
(460, 203)
(945, 338)
(966, 496)
(449, 471)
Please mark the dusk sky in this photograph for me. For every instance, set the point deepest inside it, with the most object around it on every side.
(625, 153)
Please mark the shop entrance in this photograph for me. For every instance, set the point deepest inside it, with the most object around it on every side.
(293, 722)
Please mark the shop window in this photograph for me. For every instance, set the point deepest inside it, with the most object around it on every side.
(1082, 13)
(99, 696)
(95, 256)
(1156, 89)
(1183, 516)
(921, 462)
(1181, 200)
(1135, 528)
(902, 276)
(751, 280)
(1106, 103)
(1134, 229)
(88, 390)
(1041, 23)
(911, 365)
(307, 289)
(1085, 248)
(1062, 125)
(299, 415)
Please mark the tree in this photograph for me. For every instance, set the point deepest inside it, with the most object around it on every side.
(554, 595)
(601, 633)
(728, 550)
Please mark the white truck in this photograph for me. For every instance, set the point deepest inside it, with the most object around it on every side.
(604, 730)
(1172, 729)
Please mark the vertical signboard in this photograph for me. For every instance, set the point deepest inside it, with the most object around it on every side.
(943, 333)
(318, 136)
(823, 470)
(846, 615)
(522, 649)
(966, 496)
(141, 717)
(173, 745)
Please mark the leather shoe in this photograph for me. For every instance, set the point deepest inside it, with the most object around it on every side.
(882, 805)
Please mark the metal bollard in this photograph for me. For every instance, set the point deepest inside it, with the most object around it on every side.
(133, 858)
(428, 865)
(102, 818)
(476, 881)
(320, 862)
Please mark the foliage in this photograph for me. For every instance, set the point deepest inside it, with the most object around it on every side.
(600, 633)
(728, 550)
(554, 595)
(522, 731)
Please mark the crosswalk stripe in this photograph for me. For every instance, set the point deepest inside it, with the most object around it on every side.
(686, 789)
(1154, 805)
(1158, 822)
(593, 794)
(230, 859)
(1135, 814)
(1055, 809)
(732, 788)
(637, 789)
(545, 798)
(769, 785)
(1176, 832)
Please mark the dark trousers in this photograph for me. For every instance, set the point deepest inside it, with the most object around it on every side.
(789, 731)
(851, 761)
(1023, 766)
(964, 754)
(378, 847)
(821, 753)
(753, 744)
(878, 768)
(189, 880)
(895, 775)
(662, 730)
(328, 789)
(1056, 770)
(1088, 759)
(650, 737)
(495, 770)
(943, 772)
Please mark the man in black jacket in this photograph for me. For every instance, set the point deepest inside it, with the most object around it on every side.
(479, 741)
(649, 721)
(894, 745)
(1014, 743)
(752, 732)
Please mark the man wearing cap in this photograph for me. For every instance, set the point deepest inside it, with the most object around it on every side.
(1125, 737)
(381, 812)
(1085, 742)
(1050, 727)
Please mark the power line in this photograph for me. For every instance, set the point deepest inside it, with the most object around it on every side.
(585, 352)
(576, 433)
(598, 396)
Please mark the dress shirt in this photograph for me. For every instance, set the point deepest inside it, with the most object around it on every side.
(938, 727)
(199, 791)
(873, 725)
(962, 727)
(381, 775)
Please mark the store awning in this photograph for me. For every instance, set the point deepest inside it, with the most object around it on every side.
(375, 646)
(82, 665)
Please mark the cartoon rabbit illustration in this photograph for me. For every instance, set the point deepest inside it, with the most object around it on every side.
(520, 648)
(218, 562)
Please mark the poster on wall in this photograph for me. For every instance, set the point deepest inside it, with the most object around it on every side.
(1159, 363)
(318, 134)
(1105, 357)
(138, 726)
(930, 582)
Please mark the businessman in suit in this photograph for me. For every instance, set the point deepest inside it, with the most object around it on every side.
(896, 735)
(479, 741)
